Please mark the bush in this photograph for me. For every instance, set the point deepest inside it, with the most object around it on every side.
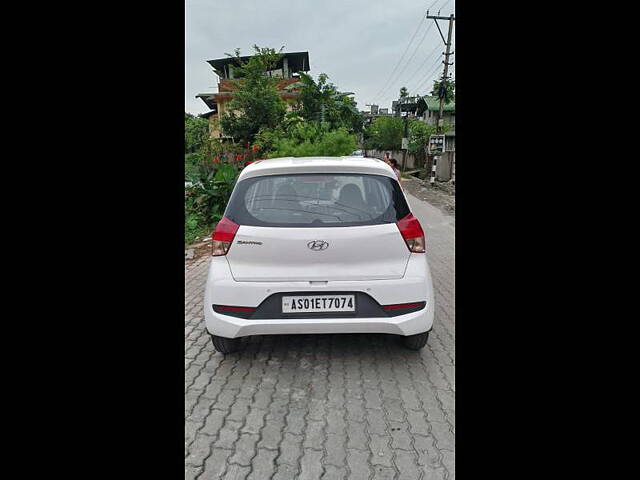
(196, 132)
(206, 200)
(194, 227)
(308, 139)
(384, 134)
(191, 166)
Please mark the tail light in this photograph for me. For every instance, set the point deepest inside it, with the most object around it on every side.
(412, 233)
(223, 236)
(240, 312)
(398, 309)
(402, 306)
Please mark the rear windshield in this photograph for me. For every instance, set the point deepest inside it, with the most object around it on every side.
(317, 200)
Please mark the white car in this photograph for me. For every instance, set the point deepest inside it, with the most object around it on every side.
(318, 245)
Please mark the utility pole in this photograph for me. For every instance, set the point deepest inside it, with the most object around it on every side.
(447, 53)
(443, 83)
(445, 76)
(405, 139)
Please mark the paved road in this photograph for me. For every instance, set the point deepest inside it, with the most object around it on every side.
(325, 406)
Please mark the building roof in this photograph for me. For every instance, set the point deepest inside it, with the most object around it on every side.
(208, 114)
(433, 104)
(208, 99)
(326, 165)
(298, 62)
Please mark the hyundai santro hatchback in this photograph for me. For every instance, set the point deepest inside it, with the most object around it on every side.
(318, 245)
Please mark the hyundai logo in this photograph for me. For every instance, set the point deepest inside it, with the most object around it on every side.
(317, 245)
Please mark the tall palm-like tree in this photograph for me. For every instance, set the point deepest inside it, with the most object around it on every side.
(321, 101)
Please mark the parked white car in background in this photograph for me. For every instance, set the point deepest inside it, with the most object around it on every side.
(318, 245)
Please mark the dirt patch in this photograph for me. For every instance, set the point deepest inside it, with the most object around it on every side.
(196, 251)
(441, 195)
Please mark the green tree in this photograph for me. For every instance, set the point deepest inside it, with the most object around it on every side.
(449, 90)
(419, 133)
(384, 134)
(403, 92)
(321, 101)
(196, 131)
(304, 139)
(313, 139)
(207, 198)
(256, 102)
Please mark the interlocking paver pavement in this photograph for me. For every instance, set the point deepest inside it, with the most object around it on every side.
(325, 406)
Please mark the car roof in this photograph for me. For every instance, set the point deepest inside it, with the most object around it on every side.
(288, 165)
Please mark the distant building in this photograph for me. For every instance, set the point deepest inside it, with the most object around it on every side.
(373, 114)
(286, 70)
(430, 108)
(407, 104)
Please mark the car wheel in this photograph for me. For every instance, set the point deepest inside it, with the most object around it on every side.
(416, 342)
(225, 345)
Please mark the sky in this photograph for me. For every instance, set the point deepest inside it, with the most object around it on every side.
(359, 44)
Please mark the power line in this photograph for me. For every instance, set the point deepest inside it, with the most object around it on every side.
(434, 68)
(377, 95)
(442, 6)
(384, 90)
(394, 82)
(427, 58)
(401, 58)
(447, 3)
(435, 3)
(393, 78)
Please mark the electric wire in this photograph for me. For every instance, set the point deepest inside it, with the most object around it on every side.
(422, 19)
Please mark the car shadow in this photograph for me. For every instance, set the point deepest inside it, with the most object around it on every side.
(344, 345)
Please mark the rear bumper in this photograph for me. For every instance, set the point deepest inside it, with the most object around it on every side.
(222, 289)
(232, 327)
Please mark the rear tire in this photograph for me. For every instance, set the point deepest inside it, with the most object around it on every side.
(225, 345)
(416, 342)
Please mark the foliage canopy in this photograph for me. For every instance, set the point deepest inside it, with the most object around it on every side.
(321, 101)
(384, 134)
(449, 90)
(256, 102)
(196, 131)
(304, 139)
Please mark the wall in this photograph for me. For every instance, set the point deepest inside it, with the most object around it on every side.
(448, 117)
(397, 154)
(443, 168)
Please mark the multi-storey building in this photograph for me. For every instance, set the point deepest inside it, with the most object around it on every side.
(286, 71)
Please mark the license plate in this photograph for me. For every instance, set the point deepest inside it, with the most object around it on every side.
(319, 303)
